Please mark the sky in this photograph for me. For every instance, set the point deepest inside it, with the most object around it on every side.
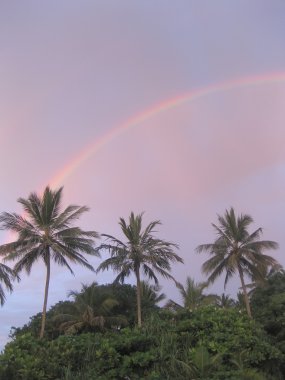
(171, 108)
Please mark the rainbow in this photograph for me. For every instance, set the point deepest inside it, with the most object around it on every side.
(168, 104)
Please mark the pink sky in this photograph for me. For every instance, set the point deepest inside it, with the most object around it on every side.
(73, 71)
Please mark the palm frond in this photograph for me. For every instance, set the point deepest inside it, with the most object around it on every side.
(237, 251)
(44, 232)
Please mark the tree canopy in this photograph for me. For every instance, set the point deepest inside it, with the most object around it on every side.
(141, 251)
(47, 233)
(236, 250)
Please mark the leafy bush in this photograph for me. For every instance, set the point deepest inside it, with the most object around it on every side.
(203, 344)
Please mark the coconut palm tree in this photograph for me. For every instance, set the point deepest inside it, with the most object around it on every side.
(225, 301)
(202, 363)
(142, 252)
(237, 251)
(192, 295)
(151, 297)
(92, 309)
(7, 275)
(43, 232)
(268, 273)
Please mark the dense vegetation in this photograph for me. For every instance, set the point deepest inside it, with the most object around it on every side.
(120, 331)
(205, 342)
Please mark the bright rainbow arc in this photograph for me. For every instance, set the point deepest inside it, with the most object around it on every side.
(147, 114)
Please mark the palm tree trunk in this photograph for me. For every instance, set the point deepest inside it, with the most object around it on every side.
(139, 311)
(246, 299)
(46, 297)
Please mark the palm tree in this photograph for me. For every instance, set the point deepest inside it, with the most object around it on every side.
(151, 296)
(192, 295)
(268, 273)
(202, 363)
(43, 232)
(7, 275)
(92, 308)
(245, 373)
(141, 252)
(225, 301)
(237, 250)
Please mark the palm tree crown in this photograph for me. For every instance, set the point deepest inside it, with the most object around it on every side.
(151, 297)
(46, 233)
(141, 251)
(225, 301)
(92, 309)
(237, 251)
(192, 295)
(7, 275)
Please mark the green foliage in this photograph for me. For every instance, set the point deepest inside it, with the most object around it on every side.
(268, 304)
(225, 301)
(29, 358)
(109, 357)
(236, 251)
(142, 252)
(228, 332)
(92, 309)
(33, 326)
(70, 316)
(47, 233)
(7, 276)
(209, 343)
(209, 338)
(203, 364)
(193, 295)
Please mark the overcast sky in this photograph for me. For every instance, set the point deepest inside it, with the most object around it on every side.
(74, 73)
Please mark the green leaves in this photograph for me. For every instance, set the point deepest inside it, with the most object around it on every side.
(208, 344)
(235, 250)
(92, 309)
(140, 251)
(44, 232)
(7, 276)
